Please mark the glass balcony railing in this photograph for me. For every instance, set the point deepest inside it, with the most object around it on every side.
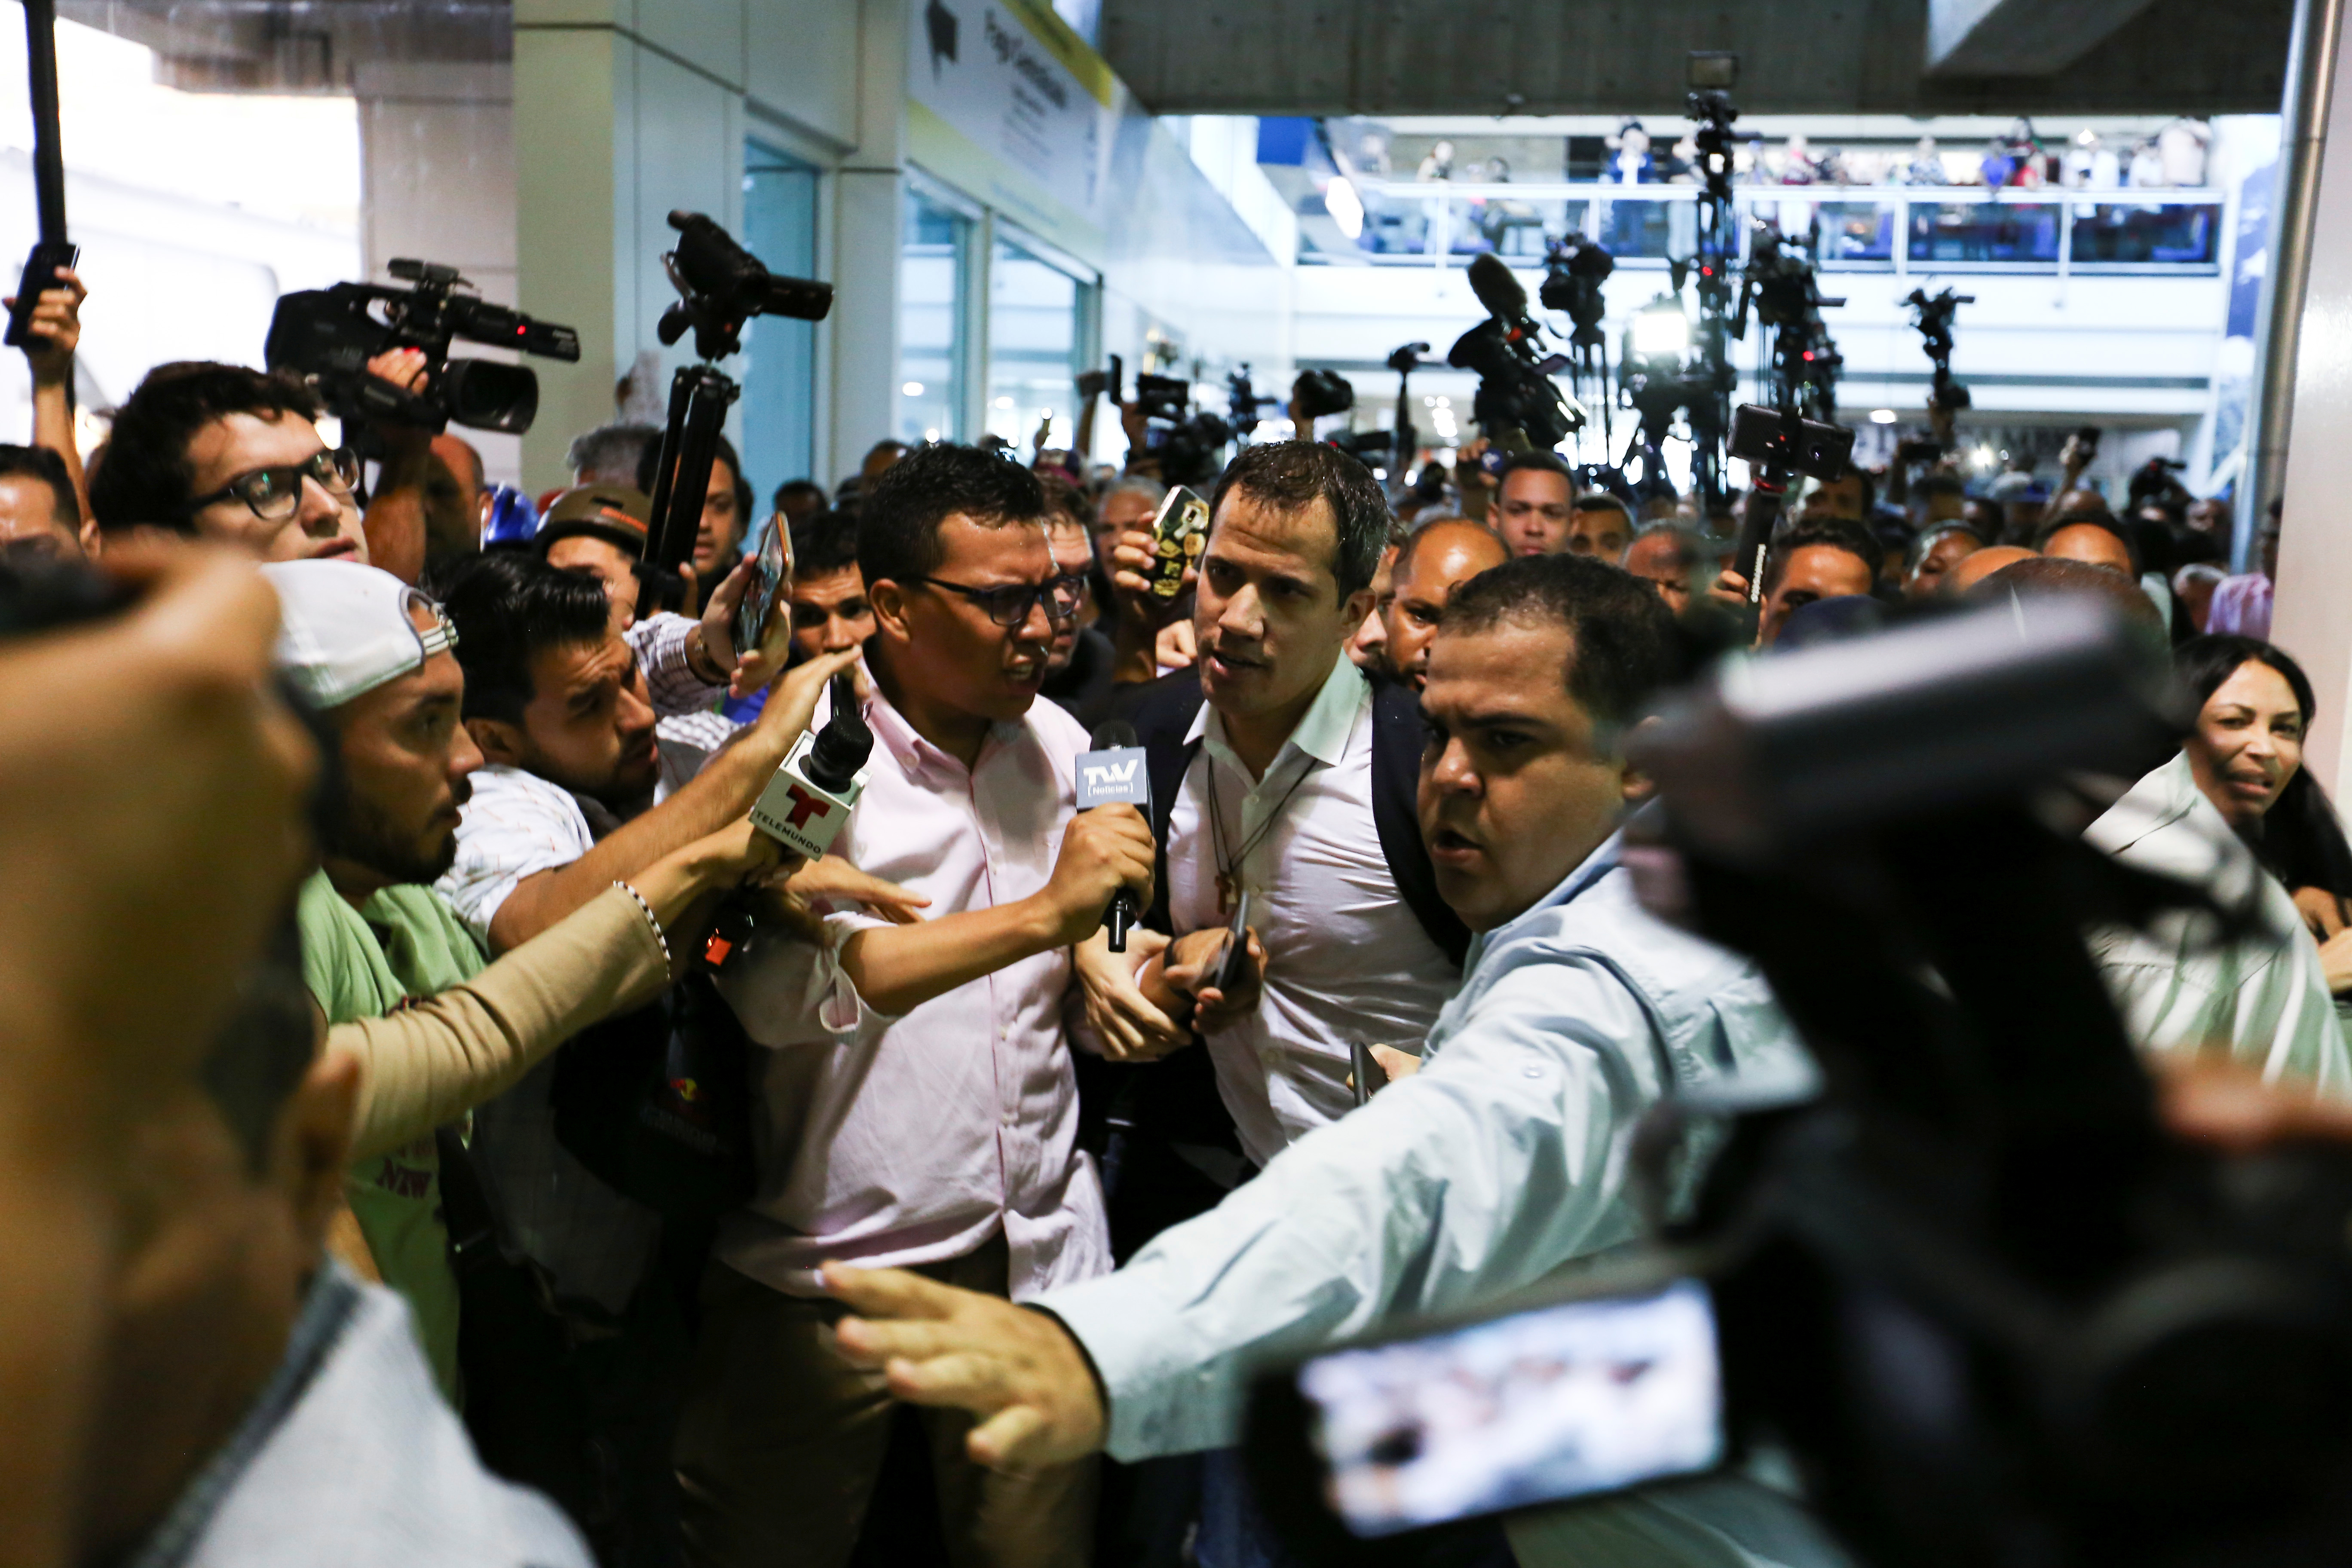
(1864, 227)
(1945, 232)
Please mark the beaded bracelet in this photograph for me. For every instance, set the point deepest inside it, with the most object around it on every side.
(651, 918)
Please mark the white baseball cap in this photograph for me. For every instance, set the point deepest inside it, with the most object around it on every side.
(345, 629)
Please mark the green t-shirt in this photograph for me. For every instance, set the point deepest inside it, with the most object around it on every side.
(363, 963)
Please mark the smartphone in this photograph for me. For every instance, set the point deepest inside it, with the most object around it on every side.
(772, 569)
(1361, 1065)
(1570, 1400)
(1179, 534)
(1233, 964)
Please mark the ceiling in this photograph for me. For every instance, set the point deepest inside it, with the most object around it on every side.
(1808, 57)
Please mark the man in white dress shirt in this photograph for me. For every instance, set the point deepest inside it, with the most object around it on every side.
(1282, 748)
(917, 1107)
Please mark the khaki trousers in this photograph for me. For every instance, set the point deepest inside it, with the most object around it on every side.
(782, 1440)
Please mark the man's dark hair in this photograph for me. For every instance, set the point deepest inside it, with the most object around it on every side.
(507, 607)
(262, 1052)
(2048, 531)
(40, 463)
(1869, 487)
(1623, 634)
(1835, 532)
(2043, 576)
(824, 542)
(1065, 498)
(1690, 550)
(146, 479)
(1549, 461)
(649, 470)
(796, 488)
(1602, 501)
(898, 520)
(1292, 476)
(887, 444)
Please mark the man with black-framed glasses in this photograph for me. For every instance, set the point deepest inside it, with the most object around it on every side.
(918, 1102)
(234, 455)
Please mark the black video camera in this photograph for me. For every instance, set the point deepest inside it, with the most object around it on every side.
(1245, 405)
(721, 286)
(1317, 392)
(1779, 284)
(328, 335)
(1364, 446)
(1574, 269)
(1517, 406)
(1776, 444)
(1932, 315)
(1994, 1312)
(1709, 105)
(1188, 443)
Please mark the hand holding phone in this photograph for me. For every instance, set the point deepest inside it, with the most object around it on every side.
(1233, 958)
(1213, 976)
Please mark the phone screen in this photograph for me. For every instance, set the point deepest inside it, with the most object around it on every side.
(772, 569)
(1541, 1407)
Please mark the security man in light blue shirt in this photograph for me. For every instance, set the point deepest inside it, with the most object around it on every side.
(1499, 1163)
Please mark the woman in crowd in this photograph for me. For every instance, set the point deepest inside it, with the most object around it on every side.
(2254, 707)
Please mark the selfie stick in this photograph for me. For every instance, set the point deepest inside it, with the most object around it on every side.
(53, 252)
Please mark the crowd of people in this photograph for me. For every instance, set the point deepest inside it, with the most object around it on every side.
(439, 1126)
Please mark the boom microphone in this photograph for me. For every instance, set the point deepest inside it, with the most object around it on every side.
(1497, 290)
(1114, 773)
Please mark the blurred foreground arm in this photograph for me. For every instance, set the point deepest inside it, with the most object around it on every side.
(108, 855)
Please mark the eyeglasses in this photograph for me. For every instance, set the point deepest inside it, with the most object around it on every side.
(275, 493)
(1010, 606)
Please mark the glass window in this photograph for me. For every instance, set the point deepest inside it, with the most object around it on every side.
(1984, 231)
(932, 344)
(2153, 233)
(1034, 329)
(779, 407)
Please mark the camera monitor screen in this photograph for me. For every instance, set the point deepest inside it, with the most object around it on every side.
(1543, 1405)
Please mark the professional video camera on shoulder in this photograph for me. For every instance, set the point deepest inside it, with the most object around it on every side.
(1518, 404)
(328, 335)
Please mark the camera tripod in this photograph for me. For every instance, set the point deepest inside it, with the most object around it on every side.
(721, 287)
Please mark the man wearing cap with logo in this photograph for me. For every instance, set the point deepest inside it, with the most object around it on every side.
(374, 656)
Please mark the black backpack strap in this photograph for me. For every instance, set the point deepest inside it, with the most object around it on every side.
(1397, 737)
(1162, 714)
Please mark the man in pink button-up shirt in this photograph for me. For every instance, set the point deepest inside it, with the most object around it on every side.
(917, 1105)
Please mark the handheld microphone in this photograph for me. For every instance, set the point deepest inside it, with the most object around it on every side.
(805, 804)
(1114, 773)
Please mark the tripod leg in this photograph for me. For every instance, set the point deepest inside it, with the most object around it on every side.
(698, 403)
(681, 397)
